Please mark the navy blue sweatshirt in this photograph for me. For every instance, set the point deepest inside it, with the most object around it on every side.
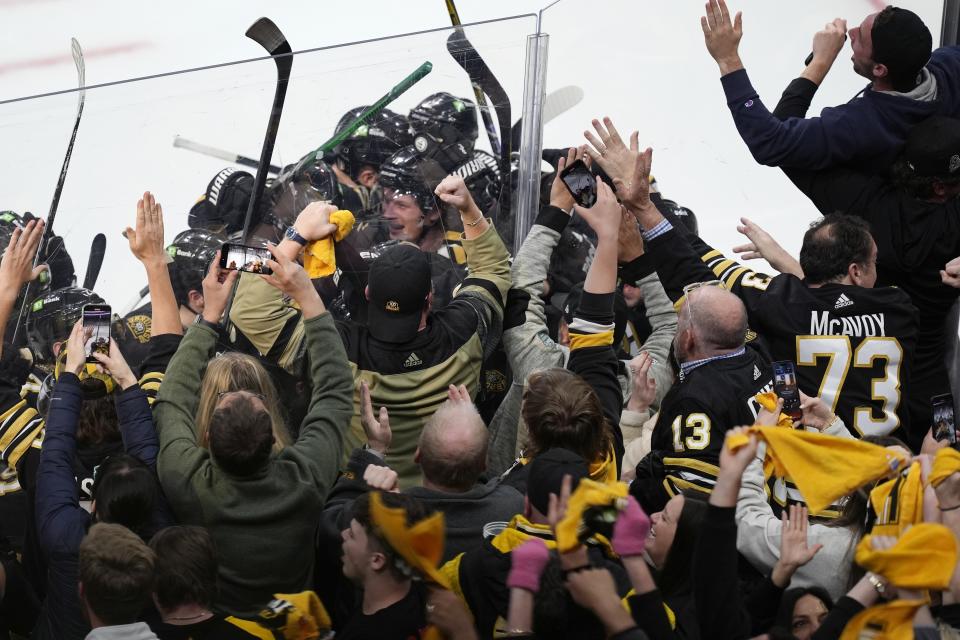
(867, 132)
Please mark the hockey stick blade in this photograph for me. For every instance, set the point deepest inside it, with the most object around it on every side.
(469, 59)
(478, 90)
(77, 53)
(265, 33)
(98, 248)
(555, 104)
(223, 154)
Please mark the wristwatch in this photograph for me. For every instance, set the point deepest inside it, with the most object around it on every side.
(291, 234)
(206, 323)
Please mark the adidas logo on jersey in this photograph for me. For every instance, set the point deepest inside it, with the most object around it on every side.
(413, 360)
(756, 372)
(843, 301)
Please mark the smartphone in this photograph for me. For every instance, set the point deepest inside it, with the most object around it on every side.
(580, 183)
(943, 425)
(238, 257)
(96, 329)
(785, 386)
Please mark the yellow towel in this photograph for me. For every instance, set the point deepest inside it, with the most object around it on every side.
(587, 494)
(420, 545)
(923, 558)
(299, 616)
(768, 401)
(898, 503)
(945, 464)
(319, 259)
(892, 621)
(823, 467)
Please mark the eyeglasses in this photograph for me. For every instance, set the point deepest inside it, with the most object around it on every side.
(255, 395)
(693, 286)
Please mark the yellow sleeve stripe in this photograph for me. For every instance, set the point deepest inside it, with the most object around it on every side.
(710, 255)
(733, 277)
(722, 266)
(252, 628)
(584, 340)
(692, 463)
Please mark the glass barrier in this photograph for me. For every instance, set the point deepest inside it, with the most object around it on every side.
(125, 143)
(648, 69)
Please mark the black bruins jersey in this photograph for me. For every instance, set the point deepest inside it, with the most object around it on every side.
(853, 346)
(694, 418)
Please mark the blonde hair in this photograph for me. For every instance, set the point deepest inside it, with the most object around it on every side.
(233, 371)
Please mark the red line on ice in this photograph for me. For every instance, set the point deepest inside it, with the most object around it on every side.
(66, 58)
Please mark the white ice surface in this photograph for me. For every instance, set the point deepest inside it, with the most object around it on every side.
(641, 62)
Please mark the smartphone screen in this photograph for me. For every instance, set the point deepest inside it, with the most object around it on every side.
(785, 386)
(580, 183)
(239, 257)
(943, 425)
(96, 327)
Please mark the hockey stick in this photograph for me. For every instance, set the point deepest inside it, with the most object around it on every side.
(267, 35)
(52, 214)
(478, 91)
(418, 74)
(97, 250)
(467, 57)
(213, 152)
(555, 104)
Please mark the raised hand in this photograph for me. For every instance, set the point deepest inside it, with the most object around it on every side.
(828, 42)
(116, 366)
(375, 426)
(381, 478)
(795, 550)
(453, 190)
(560, 196)
(763, 245)
(76, 348)
(146, 240)
(217, 286)
(313, 223)
(733, 463)
(816, 413)
(16, 266)
(527, 563)
(604, 216)
(629, 242)
(627, 166)
(290, 278)
(643, 388)
(630, 530)
(722, 35)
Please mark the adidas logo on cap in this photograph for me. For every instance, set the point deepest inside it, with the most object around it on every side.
(843, 301)
(413, 360)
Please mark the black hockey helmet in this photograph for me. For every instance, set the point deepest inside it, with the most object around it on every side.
(315, 183)
(223, 207)
(192, 251)
(407, 172)
(52, 317)
(445, 128)
(382, 135)
(482, 177)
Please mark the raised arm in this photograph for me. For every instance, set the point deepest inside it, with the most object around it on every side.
(146, 244)
(320, 445)
(59, 514)
(591, 332)
(180, 454)
(16, 266)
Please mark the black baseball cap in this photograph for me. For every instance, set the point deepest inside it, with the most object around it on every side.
(546, 475)
(901, 42)
(933, 147)
(398, 286)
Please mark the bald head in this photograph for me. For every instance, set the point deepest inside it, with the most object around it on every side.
(453, 446)
(718, 320)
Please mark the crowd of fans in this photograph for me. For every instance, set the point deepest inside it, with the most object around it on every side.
(403, 431)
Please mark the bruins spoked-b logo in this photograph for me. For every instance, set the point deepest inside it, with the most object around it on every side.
(392, 305)
(139, 326)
